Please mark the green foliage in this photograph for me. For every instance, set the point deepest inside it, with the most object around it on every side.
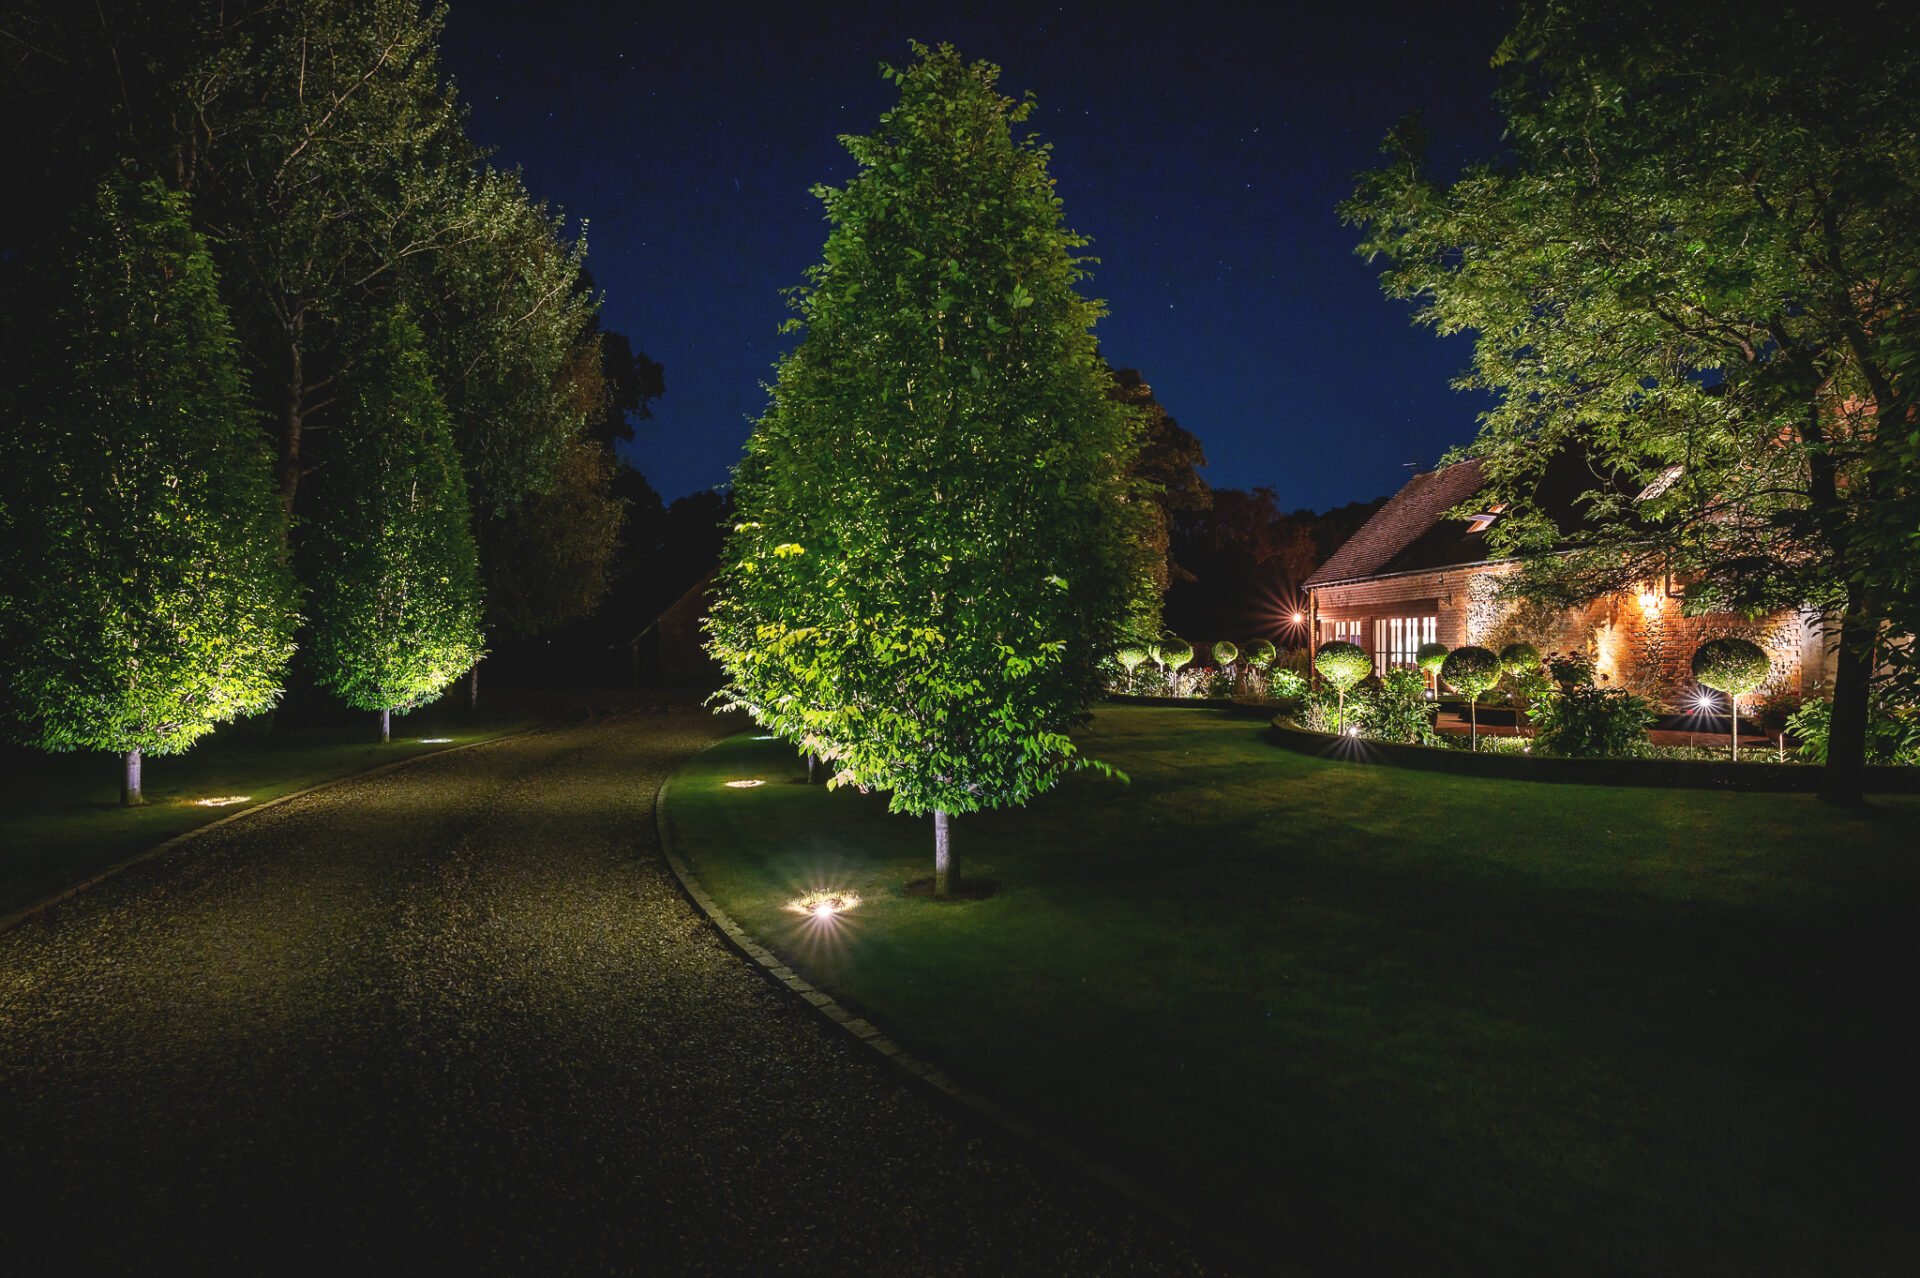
(1431, 657)
(1471, 669)
(1225, 653)
(1261, 654)
(938, 536)
(1519, 658)
(1399, 710)
(1585, 722)
(1722, 339)
(1175, 652)
(144, 593)
(1733, 666)
(1893, 729)
(1131, 657)
(1342, 664)
(1327, 709)
(396, 604)
(1286, 685)
(1570, 669)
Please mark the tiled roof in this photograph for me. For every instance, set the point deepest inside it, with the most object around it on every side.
(1408, 517)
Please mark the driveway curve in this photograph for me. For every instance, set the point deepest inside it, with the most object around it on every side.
(458, 1016)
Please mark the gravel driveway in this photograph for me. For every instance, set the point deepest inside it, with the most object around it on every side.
(459, 1017)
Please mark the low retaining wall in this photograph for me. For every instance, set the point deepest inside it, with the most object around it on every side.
(1697, 774)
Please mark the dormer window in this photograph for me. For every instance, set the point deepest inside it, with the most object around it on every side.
(1484, 520)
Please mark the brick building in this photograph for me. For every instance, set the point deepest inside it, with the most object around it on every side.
(1412, 576)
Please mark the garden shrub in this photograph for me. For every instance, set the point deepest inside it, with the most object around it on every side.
(1287, 685)
(1582, 721)
(1342, 664)
(1733, 666)
(1131, 657)
(1326, 710)
(1225, 653)
(1570, 669)
(1518, 658)
(1431, 657)
(1260, 654)
(1399, 711)
(1472, 670)
(1893, 730)
(1175, 652)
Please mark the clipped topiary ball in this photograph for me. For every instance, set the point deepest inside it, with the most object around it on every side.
(1132, 657)
(1154, 654)
(1517, 658)
(1733, 666)
(1175, 653)
(1225, 654)
(1431, 657)
(1261, 654)
(1342, 664)
(1470, 669)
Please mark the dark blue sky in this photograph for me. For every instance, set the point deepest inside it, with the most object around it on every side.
(1203, 147)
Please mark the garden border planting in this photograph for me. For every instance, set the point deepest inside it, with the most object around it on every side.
(1693, 774)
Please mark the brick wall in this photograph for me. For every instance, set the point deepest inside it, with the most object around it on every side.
(1645, 648)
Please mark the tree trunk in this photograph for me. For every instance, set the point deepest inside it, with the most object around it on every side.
(946, 869)
(130, 794)
(813, 768)
(295, 418)
(1842, 778)
(1473, 725)
(1733, 703)
(473, 687)
(386, 726)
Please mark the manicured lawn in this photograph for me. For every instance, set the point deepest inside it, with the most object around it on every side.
(1381, 1020)
(61, 819)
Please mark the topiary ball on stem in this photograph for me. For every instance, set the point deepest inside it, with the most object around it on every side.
(1175, 652)
(1342, 664)
(1131, 657)
(1225, 653)
(1431, 657)
(1518, 658)
(1735, 667)
(1260, 654)
(1472, 670)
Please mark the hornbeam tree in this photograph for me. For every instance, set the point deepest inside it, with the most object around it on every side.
(1695, 264)
(144, 593)
(937, 540)
(396, 597)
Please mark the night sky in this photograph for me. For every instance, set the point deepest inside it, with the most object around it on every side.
(1202, 147)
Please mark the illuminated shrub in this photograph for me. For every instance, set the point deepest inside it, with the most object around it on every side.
(1570, 669)
(1225, 653)
(1519, 658)
(1342, 664)
(1175, 652)
(1260, 654)
(1287, 685)
(1733, 666)
(1472, 670)
(1585, 722)
(1399, 711)
(1431, 657)
(1131, 658)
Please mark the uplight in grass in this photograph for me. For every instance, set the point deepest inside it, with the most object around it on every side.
(745, 784)
(824, 905)
(223, 801)
(765, 736)
(436, 740)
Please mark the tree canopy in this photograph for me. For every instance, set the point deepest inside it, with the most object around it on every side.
(1695, 263)
(937, 539)
(144, 593)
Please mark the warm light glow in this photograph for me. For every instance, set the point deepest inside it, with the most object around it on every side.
(1704, 701)
(436, 740)
(744, 785)
(224, 801)
(1649, 600)
(1353, 732)
(824, 905)
(1298, 618)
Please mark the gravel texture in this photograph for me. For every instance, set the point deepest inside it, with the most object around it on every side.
(460, 1017)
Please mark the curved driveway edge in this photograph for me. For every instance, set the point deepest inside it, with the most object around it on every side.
(923, 1072)
(15, 918)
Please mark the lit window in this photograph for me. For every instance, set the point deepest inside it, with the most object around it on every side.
(1397, 640)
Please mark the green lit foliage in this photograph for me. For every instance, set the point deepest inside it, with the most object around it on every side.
(1131, 657)
(1518, 658)
(1287, 685)
(1472, 670)
(1893, 728)
(1174, 653)
(1431, 657)
(396, 600)
(1736, 667)
(144, 594)
(1583, 721)
(1399, 710)
(1570, 669)
(1733, 666)
(1225, 653)
(1260, 654)
(1342, 664)
(1692, 262)
(938, 541)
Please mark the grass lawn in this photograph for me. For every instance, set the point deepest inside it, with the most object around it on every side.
(1388, 1021)
(60, 814)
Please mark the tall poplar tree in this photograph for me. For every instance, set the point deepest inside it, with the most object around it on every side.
(144, 593)
(396, 597)
(937, 540)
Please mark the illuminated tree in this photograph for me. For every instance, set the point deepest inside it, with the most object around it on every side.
(937, 540)
(144, 593)
(1131, 657)
(1174, 653)
(396, 595)
(1260, 653)
(1343, 665)
(1693, 263)
(1430, 658)
(1735, 667)
(1473, 670)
